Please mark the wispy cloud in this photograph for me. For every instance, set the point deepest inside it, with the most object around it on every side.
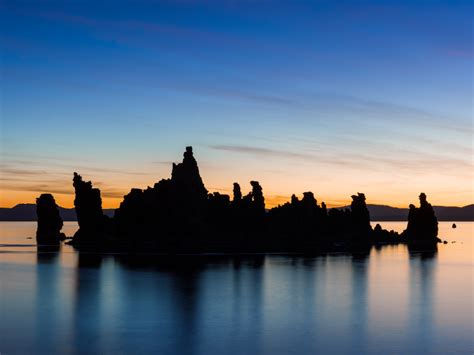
(55, 188)
(263, 152)
(46, 174)
(6, 170)
(402, 160)
(29, 165)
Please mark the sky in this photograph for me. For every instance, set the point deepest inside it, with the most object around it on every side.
(334, 97)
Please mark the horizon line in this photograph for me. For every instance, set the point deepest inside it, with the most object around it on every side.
(272, 206)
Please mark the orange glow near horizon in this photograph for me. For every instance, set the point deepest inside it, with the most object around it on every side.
(12, 198)
(330, 181)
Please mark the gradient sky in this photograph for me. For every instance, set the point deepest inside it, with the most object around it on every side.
(335, 97)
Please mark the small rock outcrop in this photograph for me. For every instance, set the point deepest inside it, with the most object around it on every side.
(50, 222)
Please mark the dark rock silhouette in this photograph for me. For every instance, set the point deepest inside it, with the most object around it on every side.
(179, 215)
(186, 176)
(237, 193)
(90, 217)
(256, 196)
(384, 236)
(454, 226)
(422, 223)
(171, 213)
(130, 216)
(360, 219)
(49, 221)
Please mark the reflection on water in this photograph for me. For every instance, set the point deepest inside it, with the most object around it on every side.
(389, 300)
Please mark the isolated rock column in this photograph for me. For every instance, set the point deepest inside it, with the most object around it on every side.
(90, 217)
(49, 221)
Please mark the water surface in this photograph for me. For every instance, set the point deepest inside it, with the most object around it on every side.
(387, 301)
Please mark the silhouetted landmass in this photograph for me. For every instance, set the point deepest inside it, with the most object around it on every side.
(443, 213)
(179, 215)
(49, 221)
(457, 214)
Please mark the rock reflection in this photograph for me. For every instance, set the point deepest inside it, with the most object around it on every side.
(47, 298)
(422, 274)
(400, 298)
(359, 308)
(246, 307)
(87, 318)
(215, 302)
(47, 254)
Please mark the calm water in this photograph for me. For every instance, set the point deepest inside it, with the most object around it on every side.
(388, 301)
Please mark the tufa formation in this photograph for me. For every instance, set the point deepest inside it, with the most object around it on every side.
(49, 222)
(422, 223)
(88, 205)
(179, 215)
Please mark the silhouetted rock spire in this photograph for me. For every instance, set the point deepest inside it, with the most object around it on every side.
(186, 174)
(90, 217)
(422, 222)
(309, 204)
(294, 200)
(360, 218)
(237, 193)
(49, 221)
(324, 208)
(257, 196)
(172, 208)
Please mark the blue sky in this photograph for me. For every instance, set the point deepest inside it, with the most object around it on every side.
(333, 97)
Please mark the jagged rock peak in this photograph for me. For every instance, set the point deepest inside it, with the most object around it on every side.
(187, 174)
(188, 153)
(86, 193)
(78, 183)
(88, 205)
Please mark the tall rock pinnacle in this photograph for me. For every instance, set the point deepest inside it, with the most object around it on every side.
(186, 175)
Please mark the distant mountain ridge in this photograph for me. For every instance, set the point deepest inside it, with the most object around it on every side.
(27, 212)
(444, 213)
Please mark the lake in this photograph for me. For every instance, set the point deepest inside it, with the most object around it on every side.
(387, 301)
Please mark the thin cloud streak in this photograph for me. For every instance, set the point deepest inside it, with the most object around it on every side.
(259, 151)
(9, 167)
(53, 188)
(409, 162)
